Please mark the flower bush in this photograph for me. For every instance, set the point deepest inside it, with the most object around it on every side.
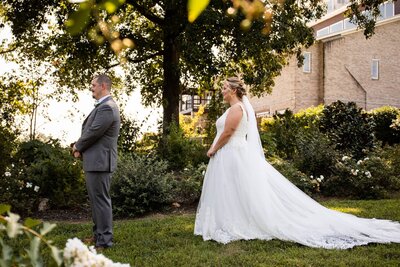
(43, 170)
(367, 178)
(77, 254)
(14, 237)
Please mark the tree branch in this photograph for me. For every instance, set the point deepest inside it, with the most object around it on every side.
(138, 60)
(8, 51)
(146, 13)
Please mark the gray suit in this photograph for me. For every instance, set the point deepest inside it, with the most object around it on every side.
(98, 146)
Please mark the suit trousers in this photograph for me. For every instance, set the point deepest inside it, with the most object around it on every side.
(98, 187)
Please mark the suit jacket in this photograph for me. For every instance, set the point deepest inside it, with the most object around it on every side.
(98, 141)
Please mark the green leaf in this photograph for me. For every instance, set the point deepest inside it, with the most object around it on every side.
(57, 255)
(6, 254)
(195, 7)
(29, 222)
(112, 5)
(47, 227)
(4, 208)
(78, 20)
(33, 252)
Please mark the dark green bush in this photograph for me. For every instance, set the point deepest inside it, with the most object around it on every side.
(315, 155)
(180, 151)
(283, 128)
(187, 184)
(44, 170)
(349, 129)
(383, 118)
(268, 142)
(128, 134)
(7, 144)
(140, 184)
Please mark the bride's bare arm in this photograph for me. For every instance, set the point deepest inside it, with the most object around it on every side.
(231, 123)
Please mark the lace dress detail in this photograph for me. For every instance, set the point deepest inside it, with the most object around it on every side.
(244, 197)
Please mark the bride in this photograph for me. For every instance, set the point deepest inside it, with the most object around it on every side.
(244, 197)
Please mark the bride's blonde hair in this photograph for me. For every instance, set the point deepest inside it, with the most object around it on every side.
(236, 84)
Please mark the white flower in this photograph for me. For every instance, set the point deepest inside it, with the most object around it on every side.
(28, 185)
(368, 174)
(345, 158)
(319, 180)
(312, 177)
(7, 174)
(185, 169)
(204, 172)
(321, 177)
(13, 227)
(36, 188)
(354, 172)
(359, 162)
(366, 159)
(76, 254)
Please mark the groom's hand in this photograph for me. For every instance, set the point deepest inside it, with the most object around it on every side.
(76, 154)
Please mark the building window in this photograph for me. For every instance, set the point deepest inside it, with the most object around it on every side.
(307, 62)
(336, 27)
(386, 10)
(348, 25)
(375, 69)
(323, 32)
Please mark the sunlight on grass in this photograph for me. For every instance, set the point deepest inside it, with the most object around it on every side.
(189, 227)
(347, 209)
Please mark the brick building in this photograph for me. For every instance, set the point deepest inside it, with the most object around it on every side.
(342, 65)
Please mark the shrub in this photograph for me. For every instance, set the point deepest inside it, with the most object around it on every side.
(309, 117)
(140, 184)
(383, 118)
(283, 128)
(315, 155)
(7, 144)
(367, 178)
(181, 151)
(44, 170)
(128, 134)
(187, 185)
(348, 128)
(269, 144)
(26, 244)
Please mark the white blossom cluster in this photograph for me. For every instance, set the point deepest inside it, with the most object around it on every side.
(319, 179)
(77, 254)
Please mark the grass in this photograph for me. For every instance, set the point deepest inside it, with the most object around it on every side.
(169, 241)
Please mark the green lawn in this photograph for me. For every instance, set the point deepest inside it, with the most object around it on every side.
(169, 241)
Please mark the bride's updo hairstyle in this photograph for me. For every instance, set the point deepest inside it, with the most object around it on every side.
(236, 84)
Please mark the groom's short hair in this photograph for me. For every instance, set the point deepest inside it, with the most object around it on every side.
(104, 79)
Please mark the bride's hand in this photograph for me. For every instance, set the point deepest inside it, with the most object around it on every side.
(211, 152)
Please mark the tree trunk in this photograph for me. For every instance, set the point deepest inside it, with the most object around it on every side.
(171, 86)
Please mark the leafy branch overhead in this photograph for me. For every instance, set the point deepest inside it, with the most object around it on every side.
(165, 47)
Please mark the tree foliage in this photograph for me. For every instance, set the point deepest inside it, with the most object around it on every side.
(164, 53)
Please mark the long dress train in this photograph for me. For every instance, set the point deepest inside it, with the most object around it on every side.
(244, 197)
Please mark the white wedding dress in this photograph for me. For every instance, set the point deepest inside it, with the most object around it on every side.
(244, 197)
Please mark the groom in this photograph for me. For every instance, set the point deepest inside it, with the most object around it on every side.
(98, 148)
